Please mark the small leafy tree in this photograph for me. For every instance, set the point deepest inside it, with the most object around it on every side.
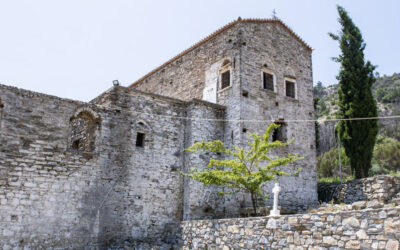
(243, 170)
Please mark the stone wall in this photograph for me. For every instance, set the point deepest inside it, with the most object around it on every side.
(44, 183)
(270, 46)
(104, 173)
(247, 48)
(199, 201)
(380, 188)
(72, 174)
(185, 77)
(364, 229)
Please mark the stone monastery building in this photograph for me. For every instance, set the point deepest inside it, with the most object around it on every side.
(75, 174)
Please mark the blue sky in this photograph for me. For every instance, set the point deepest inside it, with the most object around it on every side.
(74, 49)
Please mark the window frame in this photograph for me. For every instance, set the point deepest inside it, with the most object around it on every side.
(292, 80)
(270, 72)
(222, 70)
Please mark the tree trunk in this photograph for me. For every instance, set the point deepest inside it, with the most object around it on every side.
(254, 202)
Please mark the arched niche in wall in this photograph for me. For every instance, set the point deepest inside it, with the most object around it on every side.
(84, 129)
(289, 72)
(141, 134)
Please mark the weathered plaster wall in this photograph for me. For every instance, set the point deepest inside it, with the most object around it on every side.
(364, 229)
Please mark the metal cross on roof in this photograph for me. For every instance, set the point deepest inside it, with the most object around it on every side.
(274, 14)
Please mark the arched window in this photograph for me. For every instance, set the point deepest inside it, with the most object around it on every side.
(225, 75)
(84, 127)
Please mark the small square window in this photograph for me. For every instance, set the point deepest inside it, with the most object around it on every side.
(279, 134)
(140, 140)
(225, 79)
(290, 89)
(268, 81)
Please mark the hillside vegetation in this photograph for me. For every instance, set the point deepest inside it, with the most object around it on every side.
(386, 91)
(386, 157)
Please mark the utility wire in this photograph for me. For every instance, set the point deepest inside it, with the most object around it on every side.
(256, 120)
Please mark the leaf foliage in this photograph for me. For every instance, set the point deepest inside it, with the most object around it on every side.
(241, 169)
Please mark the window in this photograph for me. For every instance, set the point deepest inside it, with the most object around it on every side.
(290, 86)
(268, 81)
(140, 140)
(279, 134)
(83, 131)
(225, 75)
(225, 79)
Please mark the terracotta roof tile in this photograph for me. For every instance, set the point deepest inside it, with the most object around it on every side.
(215, 33)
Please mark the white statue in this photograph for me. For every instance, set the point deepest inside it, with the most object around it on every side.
(275, 190)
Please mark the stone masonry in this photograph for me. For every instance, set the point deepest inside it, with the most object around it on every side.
(250, 47)
(364, 229)
(379, 188)
(105, 173)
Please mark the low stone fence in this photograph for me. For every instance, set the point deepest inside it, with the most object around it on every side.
(363, 229)
(381, 188)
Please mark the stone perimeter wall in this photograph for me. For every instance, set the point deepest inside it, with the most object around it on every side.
(380, 188)
(363, 229)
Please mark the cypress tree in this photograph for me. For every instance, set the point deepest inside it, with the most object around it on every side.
(355, 97)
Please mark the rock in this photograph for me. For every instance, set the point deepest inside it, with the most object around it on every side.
(392, 245)
(271, 223)
(392, 227)
(364, 223)
(382, 214)
(329, 241)
(351, 221)
(374, 204)
(353, 244)
(362, 235)
(248, 231)
(292, 220)
(358, 205)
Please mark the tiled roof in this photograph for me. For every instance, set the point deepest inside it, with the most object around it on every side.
(214, 34)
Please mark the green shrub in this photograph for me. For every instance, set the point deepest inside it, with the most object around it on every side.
(328, 164)
(387, 154)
